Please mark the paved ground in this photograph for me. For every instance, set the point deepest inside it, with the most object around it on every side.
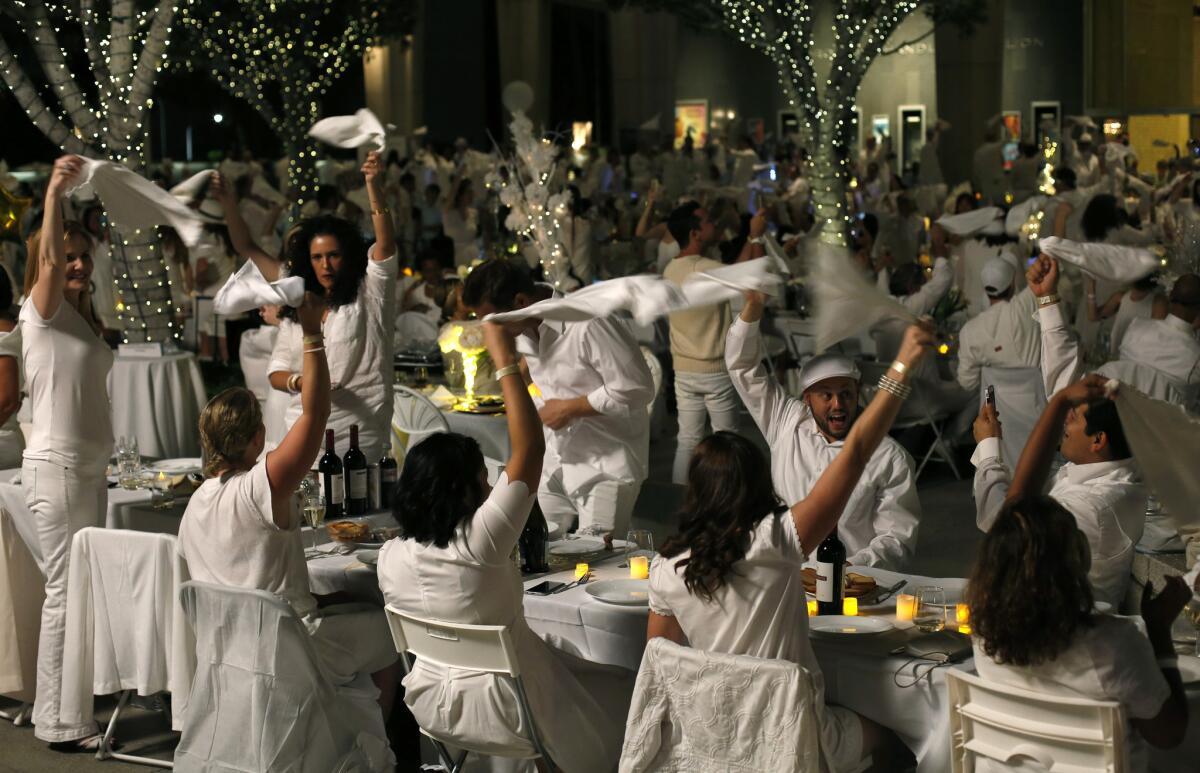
(946, 544)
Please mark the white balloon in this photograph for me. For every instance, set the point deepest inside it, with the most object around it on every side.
(517, 96)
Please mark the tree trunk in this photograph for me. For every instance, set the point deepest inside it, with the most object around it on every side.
(142, 290)
(831, 175)
(301, 149)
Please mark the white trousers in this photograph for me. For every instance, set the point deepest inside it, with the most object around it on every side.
(63, 501)
(604, 505)
(703, 398)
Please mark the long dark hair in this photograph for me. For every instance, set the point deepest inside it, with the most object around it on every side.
(439, 488)
(354, 259)
(1029, 592)
(729, 492)
(1102, 214)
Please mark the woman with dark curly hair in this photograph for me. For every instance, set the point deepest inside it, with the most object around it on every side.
(1036, 626)
(453, 562)
(730, 580)
(358, 286)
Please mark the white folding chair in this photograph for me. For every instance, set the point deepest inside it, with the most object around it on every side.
(922, 414)
(414, 418)
(482, 648)
(999, 727)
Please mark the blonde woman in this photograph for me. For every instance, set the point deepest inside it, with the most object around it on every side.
(66, 370)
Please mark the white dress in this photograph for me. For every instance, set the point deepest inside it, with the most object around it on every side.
(579, 707)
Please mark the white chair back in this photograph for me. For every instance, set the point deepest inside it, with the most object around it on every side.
(22, 591)
(1020, 399)
(262, 700)
(996, 727)
(733, 711)
(414, 418)
(1144, 378)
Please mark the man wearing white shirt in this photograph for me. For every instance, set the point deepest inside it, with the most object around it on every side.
(879, 523)
(595, 388)
(1005, 335)
(1169, 345)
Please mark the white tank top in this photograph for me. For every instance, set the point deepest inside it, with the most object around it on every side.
(666, 253)
(1127, 312)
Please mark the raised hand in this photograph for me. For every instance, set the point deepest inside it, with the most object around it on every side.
(1042, 276)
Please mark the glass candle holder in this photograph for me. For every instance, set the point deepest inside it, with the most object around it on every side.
(639, 567)
(850, 606)
(906, 606)
(581, 571)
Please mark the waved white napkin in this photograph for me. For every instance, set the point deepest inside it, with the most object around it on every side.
(350, 131)
(134, 202)
(846, 303)
(648, 297)
(190, 188)
(248, 289)
(1112, 262)
(970, 223)
(1017, 216)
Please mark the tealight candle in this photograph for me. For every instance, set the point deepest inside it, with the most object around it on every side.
(962, 614)
(906, 607)
(162, 482)
(965, 629)
(581, 571)
(812, 607)
(639, 567)
(850, 606)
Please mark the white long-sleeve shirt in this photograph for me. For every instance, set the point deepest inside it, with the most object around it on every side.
(879, 524)
(1004, 335)
(1107, 499)
(598, 358)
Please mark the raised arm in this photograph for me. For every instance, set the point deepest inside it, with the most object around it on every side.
(643, 230)
(290, 462)
(817, 514)
(47, 292)
(1062, 360)
(524, 429)
(239, 233)
(381, 216)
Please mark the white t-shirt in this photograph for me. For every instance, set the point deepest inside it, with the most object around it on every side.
(66, 375)
(229, 537)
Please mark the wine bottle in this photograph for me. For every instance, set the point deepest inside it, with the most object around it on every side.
(355, 465)
(389, 473)
(831, 560)
(533, 542)
(332, 481)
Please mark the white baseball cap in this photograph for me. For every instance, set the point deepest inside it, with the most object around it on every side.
(997, 276)
(825, 366)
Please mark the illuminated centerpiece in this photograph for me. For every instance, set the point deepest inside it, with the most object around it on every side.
(466, 340)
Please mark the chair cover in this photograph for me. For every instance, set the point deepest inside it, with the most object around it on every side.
(261, 701)
(1146, 379)
(125, 626)
(1020, 398)
(22, 590)
(414, 418)
(700, 711)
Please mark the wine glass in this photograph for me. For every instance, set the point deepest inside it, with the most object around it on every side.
(930, 614)
(314, 515)
(639, 541)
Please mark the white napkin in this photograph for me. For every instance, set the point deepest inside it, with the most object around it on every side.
(846, 303)
(248, 289)
(134, 202)
(190, 188)
(1111, 262)
(648, 297)
(443, 397)
(970, 223)
(350, 131)
(1017, 216)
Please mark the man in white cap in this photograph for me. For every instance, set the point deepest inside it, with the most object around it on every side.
(1004, 335)
(1085, 163)
(879, 523)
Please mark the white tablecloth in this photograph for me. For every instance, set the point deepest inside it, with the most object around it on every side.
(158, 400)
(491, 430)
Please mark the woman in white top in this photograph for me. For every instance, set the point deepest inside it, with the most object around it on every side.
(1060, 644)
(453, 563)
(460, 221)
(66, 370)
(730, 580)
(667, 247)
(357, 284)
(242, 527)
(1141, 301)
(12, 441)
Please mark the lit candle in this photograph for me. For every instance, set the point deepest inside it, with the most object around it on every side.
(850, 606)
(581, 571)
(162, 481)
(906, 606)
(812, 607)
(965, 629)
(962, 614)
(639, 567)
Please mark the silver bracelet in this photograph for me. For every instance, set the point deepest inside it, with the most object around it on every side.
(894, 387)
(508, 370)
(899, 367)
(1047, 300)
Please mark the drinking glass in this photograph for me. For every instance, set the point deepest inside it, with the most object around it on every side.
(314, 515)
(931, 608)
(639, 541)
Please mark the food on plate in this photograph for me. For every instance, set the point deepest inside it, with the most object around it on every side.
(856, 584)
(348, 531)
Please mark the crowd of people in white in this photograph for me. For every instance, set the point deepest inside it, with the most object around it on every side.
(771, 465)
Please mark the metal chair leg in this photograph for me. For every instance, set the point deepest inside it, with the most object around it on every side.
(18, 716)
(105, 751)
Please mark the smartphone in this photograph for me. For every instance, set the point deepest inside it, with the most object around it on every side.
(990, 396)
(545, 587)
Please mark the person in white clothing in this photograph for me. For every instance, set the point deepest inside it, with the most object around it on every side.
(879, 522)
(66, 371)
(1062, 645)
(358, 285)
(730, 582)
(1099, 485)
(12, 440)
(452, 563)
(1141, 300)
(241, 528)
(596, 389)
(460, 221)
(1170, 345)
(1005, 335)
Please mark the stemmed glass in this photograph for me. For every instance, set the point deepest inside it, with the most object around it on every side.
(314, 516)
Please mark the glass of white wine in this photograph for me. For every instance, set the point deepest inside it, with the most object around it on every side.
(314, 516)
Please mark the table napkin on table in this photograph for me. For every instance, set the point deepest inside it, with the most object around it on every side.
(443, 397)
(248, 289)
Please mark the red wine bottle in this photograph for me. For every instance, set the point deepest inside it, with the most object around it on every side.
(332, 482)
(355, 465)
(389, 473)
(831, 560)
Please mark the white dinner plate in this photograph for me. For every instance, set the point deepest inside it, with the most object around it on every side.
(583, 546)
(630, 593)
(178, 466)
(368, 557)
(839, 625)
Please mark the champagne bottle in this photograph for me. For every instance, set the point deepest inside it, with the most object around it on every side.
(355, 465)
(332, 481)
(831, 560)
(389, 473)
